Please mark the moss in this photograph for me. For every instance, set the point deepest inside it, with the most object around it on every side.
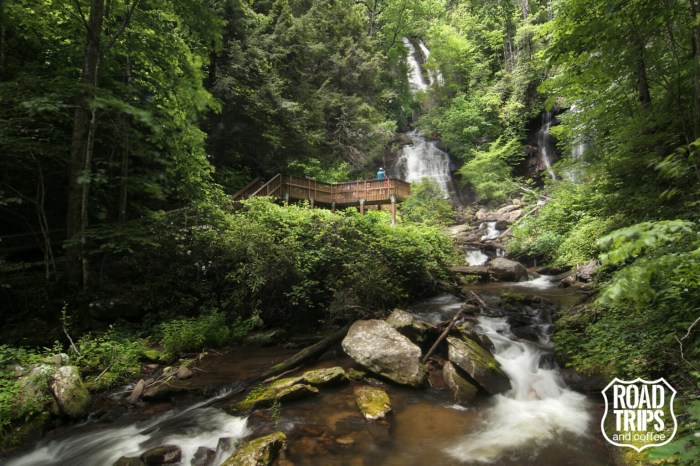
(279, 391)
(373, 402)
(14, 436)
(262, 451)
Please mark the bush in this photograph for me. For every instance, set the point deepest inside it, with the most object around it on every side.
(427, 204)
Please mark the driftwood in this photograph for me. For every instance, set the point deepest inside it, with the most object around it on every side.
(310, 352)
(442, 335)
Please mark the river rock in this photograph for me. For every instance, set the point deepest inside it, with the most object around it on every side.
(467, 330)
(262, 451)
(166, 454)
(373, 402)
(479, 364)
(203, 457)
(462, 390)
(507, 214)
(70, 392)
(129, 461)
(325, 377)
(183, 373)
(136, 393)
(415, 330)
(278, 391)
(506, 270)
(380, 348)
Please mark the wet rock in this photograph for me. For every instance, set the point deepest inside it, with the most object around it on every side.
(167, 454)
(467, 330)
(136, 393)
(372, 402)
(479, 271)
(325, 377)
(70, 392)
(462, 390)
(281, 390)
(584, 273)
(479, 364)
(507, 214)
(262, 451)
(410, 327)
(125, 461)
(506, 270)
(203, 457)
(380, 348)
(164, 390)
(183, 373)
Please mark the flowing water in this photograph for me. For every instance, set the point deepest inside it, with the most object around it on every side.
(544, 144)
(423, 159)
(540, 422)
(415, 76)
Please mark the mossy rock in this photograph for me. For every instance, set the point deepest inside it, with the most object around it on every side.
(282, 390)
(262, 451)
(479, 364)
(152, 354)
(129, 461)
(372, 402)
(325, 377)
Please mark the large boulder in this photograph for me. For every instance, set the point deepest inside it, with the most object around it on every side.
(479, 364)
(373, 402)
(415, 330)
(70, 392)
(506, 214)
(262, 451)
(166, 454)
(506, 270)
(380, 348)
(462, 390)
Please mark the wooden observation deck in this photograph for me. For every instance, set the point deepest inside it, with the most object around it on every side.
(330, 195)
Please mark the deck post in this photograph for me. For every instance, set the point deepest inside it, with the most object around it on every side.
(393, 209)
(333, 206)
(286, 199)
(311, 202)
(362, 206)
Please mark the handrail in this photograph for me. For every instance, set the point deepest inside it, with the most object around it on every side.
(348, 193)
(246, 191)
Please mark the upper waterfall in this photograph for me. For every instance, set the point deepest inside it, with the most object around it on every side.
(415, 76)
(423, 159)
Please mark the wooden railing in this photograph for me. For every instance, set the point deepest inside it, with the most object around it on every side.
(292, 187)
(247, 191)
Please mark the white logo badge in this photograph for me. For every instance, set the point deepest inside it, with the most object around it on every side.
(641, 413)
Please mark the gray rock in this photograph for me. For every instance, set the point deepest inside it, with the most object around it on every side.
(136, 393)
(166, 454)
(479, 364)
(126, 461)
(183, 373)
(462, 390)
(262, 451)
(507, 270)
(408, 326)
(70, 392)
(380, 348)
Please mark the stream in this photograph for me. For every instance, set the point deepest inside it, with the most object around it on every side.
(539, 422)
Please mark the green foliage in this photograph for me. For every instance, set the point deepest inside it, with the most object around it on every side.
(108, 358)
(427, 204)
(489, 171)
(209, 329)
(13, 363)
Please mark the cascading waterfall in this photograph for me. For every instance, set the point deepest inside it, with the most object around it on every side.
(415, 77)
(423, 159)
(435, 77)
(544, 142)
(475, 257)
(491, 231)
(537, 411)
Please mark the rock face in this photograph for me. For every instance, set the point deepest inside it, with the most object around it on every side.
(507, 214)
(462, 390)
(408, 326)
(262, 451)
(70, 392)
(479, 364)
(380, 348)
(507, 270)
(372, 402)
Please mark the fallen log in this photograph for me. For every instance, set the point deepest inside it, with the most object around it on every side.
(442, 335)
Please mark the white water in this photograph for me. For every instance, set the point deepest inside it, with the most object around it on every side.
(491, 231)
(544, 143)
(543, 282)
(536, 412)
(194, 427)
(475, 257)
(423, 159)
(435, 77)
(415, 77)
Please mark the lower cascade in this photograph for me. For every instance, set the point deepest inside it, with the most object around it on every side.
(423, 159)
(538, 410)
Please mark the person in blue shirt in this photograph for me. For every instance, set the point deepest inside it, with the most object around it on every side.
(380, 174)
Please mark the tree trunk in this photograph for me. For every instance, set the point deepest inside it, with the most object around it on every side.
(3, 46)
(82, 141)
(124, 175)
(642, 81)
(695, 41)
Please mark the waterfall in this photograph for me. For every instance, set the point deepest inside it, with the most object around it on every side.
(544, 143)
(422, 159)
(435, 77)
(475, 257)
(538, 409)
(491, 231)
(415, 76)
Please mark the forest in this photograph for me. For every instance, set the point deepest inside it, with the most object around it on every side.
(125, 127)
